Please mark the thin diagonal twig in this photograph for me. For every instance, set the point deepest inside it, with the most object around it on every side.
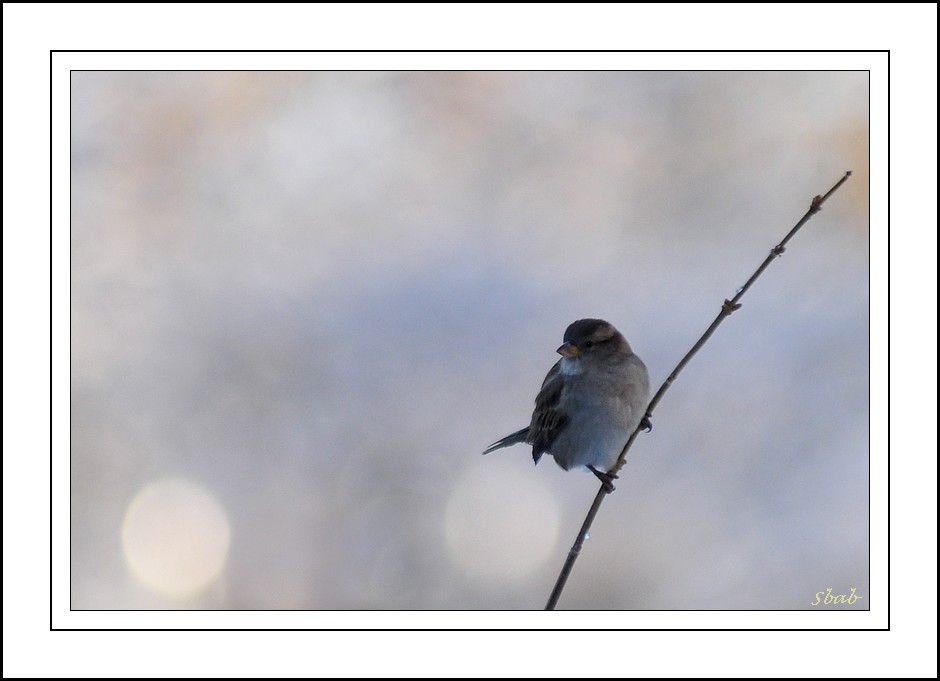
(727, 308)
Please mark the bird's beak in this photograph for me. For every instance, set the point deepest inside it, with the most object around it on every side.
(569, 350)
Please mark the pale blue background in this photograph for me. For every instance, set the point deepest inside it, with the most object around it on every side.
(321, 295)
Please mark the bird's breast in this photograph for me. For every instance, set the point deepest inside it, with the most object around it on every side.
(570, 366)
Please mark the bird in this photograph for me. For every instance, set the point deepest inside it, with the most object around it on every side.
(590, 403)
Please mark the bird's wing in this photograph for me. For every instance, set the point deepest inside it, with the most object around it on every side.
(547, 419)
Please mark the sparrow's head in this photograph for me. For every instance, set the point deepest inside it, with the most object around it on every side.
(590, 338)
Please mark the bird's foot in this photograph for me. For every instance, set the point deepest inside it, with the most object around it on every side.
(605, 478)
(646, 423)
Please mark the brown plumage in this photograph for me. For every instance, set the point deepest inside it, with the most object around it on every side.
(590, 402)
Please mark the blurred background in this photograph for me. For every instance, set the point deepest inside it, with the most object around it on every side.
(303, 303)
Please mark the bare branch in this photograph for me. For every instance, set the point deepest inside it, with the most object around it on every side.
(727, 308)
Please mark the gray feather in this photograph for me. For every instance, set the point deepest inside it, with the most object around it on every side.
(508, 441)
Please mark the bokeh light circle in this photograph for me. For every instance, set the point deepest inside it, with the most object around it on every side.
(501, 523)
(175, 537)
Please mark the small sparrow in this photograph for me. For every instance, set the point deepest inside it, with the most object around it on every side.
(590, 402)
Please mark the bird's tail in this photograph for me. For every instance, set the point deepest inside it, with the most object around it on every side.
(514, 439)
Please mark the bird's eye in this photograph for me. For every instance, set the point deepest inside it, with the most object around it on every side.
(589, 344)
